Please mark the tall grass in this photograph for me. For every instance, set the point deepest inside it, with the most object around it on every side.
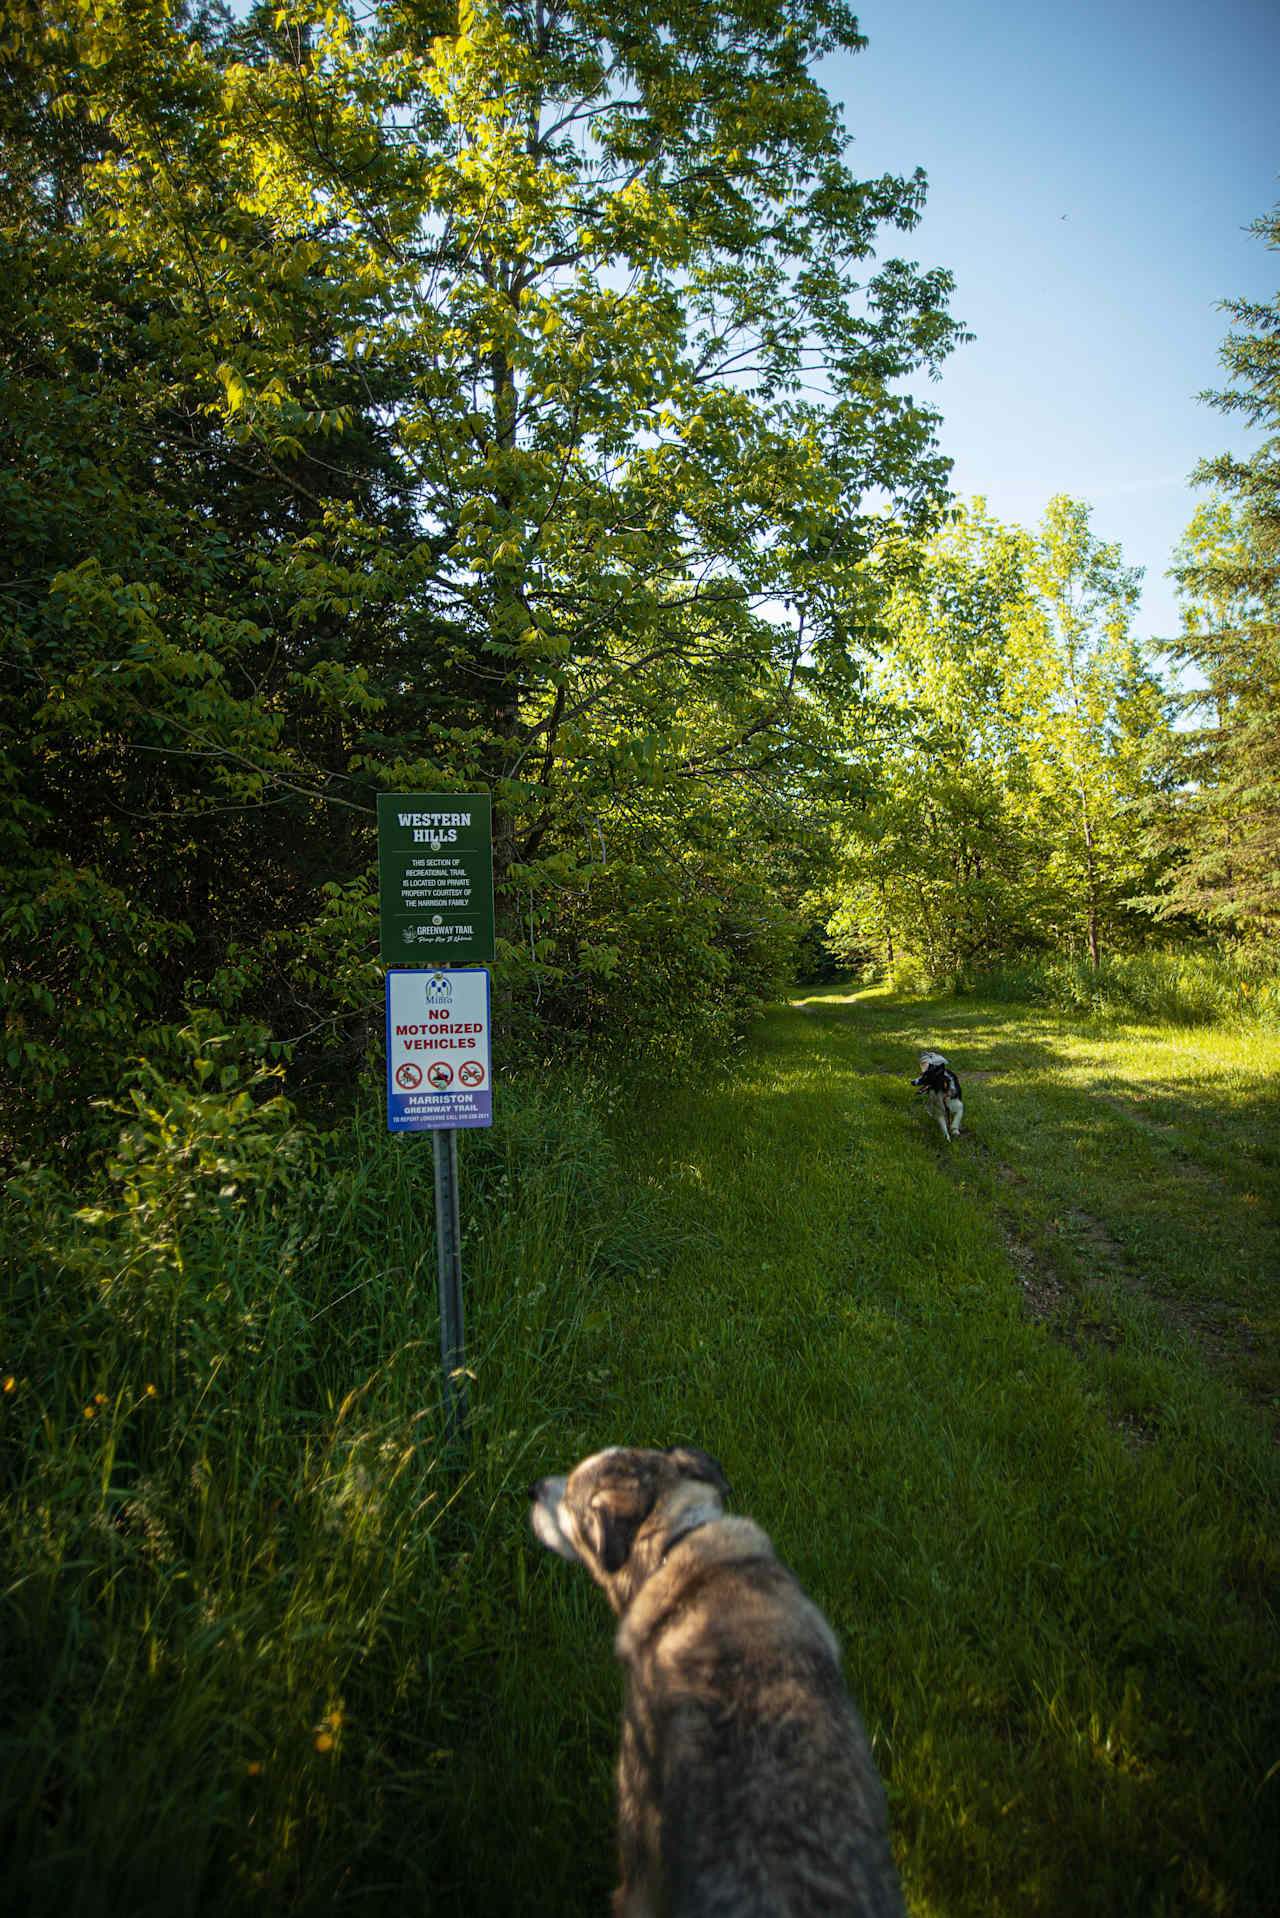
(1190, 987)
(268, 1645)
(241, 1640)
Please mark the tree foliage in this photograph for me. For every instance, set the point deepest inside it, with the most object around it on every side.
(1095, 703)
(1223, 825)
(1013, 760)
(401, 402)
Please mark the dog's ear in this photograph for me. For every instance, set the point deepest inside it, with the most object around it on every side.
(695, 1464)
(610, 1532)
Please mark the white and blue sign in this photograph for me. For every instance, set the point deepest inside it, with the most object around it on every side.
(438, 1066)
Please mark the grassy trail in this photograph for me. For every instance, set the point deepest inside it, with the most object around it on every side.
(1005, 1408)
(1008, 1407)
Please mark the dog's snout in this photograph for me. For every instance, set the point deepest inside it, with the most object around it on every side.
(545, 1495)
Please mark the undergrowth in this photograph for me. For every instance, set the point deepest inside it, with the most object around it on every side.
(241, 1632)
(1179, 987)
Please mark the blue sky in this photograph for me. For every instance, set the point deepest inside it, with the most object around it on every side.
(1155, 131)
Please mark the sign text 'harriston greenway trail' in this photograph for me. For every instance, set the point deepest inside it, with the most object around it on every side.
(435, 878)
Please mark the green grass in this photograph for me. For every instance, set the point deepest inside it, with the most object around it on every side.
(256, 1619)
(1191, 985)
(968, 1391)
(1008, 1408)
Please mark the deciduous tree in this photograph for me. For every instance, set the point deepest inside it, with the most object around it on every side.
(1091, 702)
(398, 407)
(1009, 780)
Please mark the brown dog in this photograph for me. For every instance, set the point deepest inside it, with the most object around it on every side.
(746, 1786)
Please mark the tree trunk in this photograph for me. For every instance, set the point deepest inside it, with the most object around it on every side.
(1091, 875)
(504, 710)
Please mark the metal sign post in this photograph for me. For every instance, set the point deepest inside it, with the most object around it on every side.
(453, 1359)
(435, 912)
(439, 1080)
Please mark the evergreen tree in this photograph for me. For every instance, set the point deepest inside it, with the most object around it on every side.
(1223, 825)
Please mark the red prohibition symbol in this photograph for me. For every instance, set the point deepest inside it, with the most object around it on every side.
(472, 1074)
(408, 1076)
(439, 1074)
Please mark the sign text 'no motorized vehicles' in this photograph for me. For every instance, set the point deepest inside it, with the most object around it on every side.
(438, 1065)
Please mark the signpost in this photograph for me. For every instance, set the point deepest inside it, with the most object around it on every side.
(435, 910)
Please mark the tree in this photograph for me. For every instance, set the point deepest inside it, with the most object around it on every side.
(1095, 702)
(391, 407)
(1008, 785)
(939, 859)
(1252, 358)
(191, 676)
(663, 386)
(1223, 827)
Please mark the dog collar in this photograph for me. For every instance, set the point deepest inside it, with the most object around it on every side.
(691, 1522)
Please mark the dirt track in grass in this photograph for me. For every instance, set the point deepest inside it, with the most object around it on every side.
(1006, 1405)
(1118, 1162)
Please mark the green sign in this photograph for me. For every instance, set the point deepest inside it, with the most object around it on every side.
(435, 878)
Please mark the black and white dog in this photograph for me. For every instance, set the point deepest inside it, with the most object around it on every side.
(940, 1090)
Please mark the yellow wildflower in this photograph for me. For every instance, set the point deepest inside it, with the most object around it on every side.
(329, 1730)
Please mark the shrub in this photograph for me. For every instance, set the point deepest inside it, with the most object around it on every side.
(240, 1560)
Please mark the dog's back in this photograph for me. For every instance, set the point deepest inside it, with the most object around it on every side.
(746, 1783)
(940, 1089)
